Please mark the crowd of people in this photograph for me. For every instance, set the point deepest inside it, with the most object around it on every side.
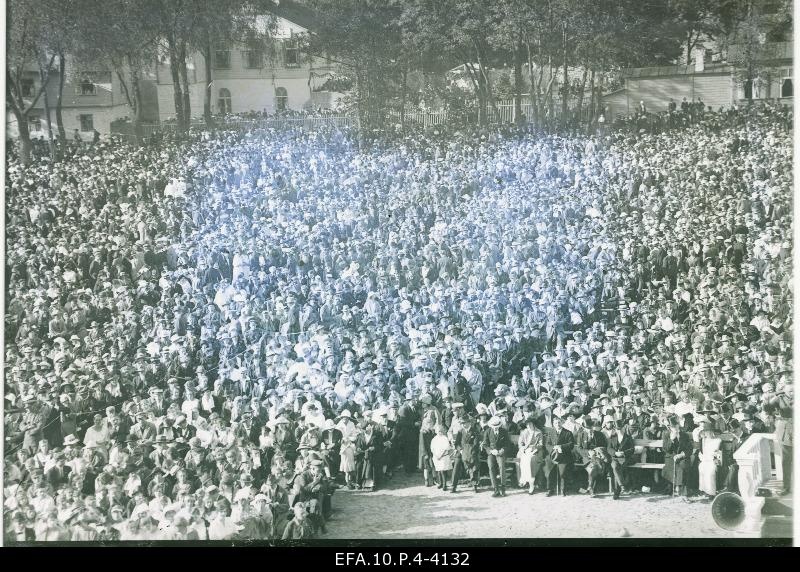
(209, 337)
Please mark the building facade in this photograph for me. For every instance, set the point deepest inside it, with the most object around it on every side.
(716, 84)
(245, 78)
(91, 100)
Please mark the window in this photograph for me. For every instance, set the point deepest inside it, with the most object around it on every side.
(224, 101)
(87, 122)
(27, 88)
(222, 59)
(251, 59)
(87, 87)
(290, 54)
(34, 123)
(281, 98)
(787, 87)
(748, 89)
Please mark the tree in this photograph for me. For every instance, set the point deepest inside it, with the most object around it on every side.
(26, 28)
(516, 26)
(61, 34)
(755, 32)
(457, 31)
(124, 38)
(364, 38)
(695, 20)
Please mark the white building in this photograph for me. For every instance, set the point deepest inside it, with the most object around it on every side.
(90, 100)
(244, 78)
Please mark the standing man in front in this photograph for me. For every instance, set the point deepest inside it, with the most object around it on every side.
(495, 443)
(784, 429)
(559, 443)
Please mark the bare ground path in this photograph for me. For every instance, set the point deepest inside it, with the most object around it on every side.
(405, 508)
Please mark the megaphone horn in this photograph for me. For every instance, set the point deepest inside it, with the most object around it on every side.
(728, 510)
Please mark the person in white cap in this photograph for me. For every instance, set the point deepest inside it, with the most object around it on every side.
(442, 456)
(496, 443)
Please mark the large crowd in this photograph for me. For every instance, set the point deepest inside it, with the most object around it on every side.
(208, 337)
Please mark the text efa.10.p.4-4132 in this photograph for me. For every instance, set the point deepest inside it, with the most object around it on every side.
(401, 559)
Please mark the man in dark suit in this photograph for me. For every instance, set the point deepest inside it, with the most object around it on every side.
(559, 443)
(495, 443)
(677, 449)
(466, 438)
(407, 425)
(620, 449)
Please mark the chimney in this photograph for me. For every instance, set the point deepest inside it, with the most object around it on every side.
(699, 59)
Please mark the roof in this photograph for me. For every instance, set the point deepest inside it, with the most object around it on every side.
(770, 50)
(661, 71)
(295, 12)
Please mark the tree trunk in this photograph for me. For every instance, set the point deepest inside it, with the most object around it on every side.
(25, 145)
(177, 94)
(565, 86)
(138, 111)
(486, 81)
(518, 119)
(590, 121)
(207, 100)
(533, 96)
(184, 73)
(403, 98)
(549, 103)
(360, 111)
(477, 79)
(50, 142)
(62, 62)
(580, 95)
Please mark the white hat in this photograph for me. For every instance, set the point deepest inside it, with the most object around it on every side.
(494, 422)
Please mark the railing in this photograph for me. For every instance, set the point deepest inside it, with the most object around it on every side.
(754, 458)
(423, 118)
(248, 124)
(503, 111)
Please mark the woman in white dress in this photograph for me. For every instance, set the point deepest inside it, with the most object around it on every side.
(347, 462)
(442, 453)
(531, 442)
(710, 445)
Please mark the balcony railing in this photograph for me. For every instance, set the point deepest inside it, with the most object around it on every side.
(760, 461)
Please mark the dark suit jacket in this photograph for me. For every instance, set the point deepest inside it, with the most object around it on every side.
(499, 440)
(626, 446)
(467, 443)
(565, 439)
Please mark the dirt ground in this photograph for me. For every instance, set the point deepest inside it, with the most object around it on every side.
(405, 508)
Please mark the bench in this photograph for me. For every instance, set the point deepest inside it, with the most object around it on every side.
(641, 447)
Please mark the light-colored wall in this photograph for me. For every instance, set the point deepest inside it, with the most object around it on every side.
(249, 95)
(716, 90)
(102, 117)
(617, 104)
(657, 92)
(246, 94)
(166, 100)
